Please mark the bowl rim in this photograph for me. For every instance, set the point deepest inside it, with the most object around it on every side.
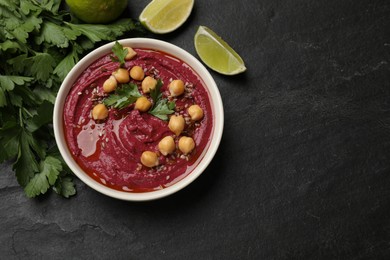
(148, 43)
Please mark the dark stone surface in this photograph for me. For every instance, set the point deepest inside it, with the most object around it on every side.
(303, 170)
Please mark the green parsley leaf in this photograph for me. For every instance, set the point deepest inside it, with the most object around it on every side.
(10, 46)
(24, 96)
(51, 5)
(41, 65)
(65, 187)
(66, 64)
(18, 63)
(9, 141)
(3, 99)
(45, 94)
(124, 96)
(43, 117)
(161, 107)
(49, 169)
(27, 6)
(53, 34)
(98, 32)
(19, 28)
(26, 164)
(7, 83)
(119, 53)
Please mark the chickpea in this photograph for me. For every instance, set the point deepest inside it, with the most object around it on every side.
(99, 112)
(148, 84)
(142, 104)
(176, 124)
(167, 145)
(137, 73)
(110, 84)
(121, 75)
(176, 87)
(195, 112)
(149, 159)
(130, 53)
(186, 144)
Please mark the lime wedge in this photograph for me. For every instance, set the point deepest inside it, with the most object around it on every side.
(164, 16)
(216, 53)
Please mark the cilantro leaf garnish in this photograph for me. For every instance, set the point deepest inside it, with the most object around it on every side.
(119, 53)
(38, 47)
(161, 107)
(124, 96)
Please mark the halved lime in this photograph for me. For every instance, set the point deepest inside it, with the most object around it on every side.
(164, 16)
(216, 53)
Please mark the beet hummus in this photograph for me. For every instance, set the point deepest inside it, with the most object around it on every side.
(110, 150)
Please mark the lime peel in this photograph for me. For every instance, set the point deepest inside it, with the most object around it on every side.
(97, 11)
(216, 53)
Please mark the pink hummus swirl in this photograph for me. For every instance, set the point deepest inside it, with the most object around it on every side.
(109, 151)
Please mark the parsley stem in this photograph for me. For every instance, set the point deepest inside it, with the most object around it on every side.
(21, 118)
(27, 112)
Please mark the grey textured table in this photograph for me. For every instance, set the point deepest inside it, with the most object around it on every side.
(303, 170)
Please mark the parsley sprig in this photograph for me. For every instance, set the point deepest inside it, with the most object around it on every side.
(119, 54)
(124, 95)
(161, 106)
(39, 45)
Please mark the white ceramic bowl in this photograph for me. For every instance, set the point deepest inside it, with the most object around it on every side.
(215, 100)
